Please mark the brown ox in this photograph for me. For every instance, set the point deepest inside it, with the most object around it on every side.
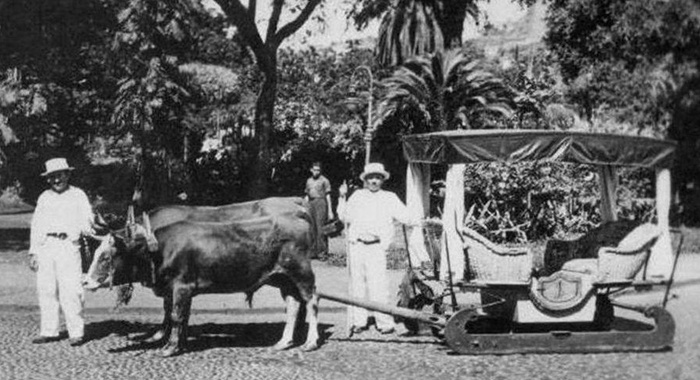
(166, 215)
(197, 258)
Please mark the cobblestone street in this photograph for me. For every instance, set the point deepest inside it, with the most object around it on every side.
(229, 341)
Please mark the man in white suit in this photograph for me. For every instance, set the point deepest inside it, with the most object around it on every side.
(369, 215)
(62, 214)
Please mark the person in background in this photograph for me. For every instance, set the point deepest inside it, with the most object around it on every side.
(318, 196)
(62, 214)
(369, 217)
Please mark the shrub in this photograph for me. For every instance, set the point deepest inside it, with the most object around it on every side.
(534, 201)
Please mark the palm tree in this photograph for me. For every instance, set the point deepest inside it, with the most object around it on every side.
(441, 91)
(418, 27)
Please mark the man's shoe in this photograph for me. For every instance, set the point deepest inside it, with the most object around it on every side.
(76, 342)
(45, 339)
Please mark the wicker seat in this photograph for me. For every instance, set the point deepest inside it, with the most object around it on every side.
(622, 262)
(608, 234)
(493, 263)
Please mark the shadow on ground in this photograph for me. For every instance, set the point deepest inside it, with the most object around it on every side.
(202, 337)
(14, 239)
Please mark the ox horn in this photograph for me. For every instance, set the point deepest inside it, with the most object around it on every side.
(130, 221)
(150, 237)
(147, 223)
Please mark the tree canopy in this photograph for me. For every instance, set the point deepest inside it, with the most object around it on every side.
(208, 107)
(634, 63)
(416, 27)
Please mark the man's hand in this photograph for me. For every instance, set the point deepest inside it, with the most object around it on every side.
(33, 263)
(343, 189)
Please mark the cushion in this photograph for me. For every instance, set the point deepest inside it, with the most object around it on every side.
(638, 237)
(586, 266)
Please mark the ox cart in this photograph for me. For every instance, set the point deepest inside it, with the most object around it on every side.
(570, 305)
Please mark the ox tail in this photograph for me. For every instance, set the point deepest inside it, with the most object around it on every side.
(311, 232)
(254, 288)
(250, 291)
(249, 298)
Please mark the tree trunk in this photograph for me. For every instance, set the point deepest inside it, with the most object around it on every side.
(451, 21)
(264, 124)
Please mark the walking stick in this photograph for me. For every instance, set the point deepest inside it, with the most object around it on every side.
(349, 317)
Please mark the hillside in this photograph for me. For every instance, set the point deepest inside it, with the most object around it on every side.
(524, 33)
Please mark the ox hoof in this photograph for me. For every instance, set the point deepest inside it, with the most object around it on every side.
(312, 346)
(138, 337)
(283, 345)
(149, 337)
(157, 337)
(169, 351)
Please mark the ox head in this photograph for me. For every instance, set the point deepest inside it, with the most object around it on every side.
(123, 257)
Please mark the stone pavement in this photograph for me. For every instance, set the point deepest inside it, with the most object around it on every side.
(230, 341)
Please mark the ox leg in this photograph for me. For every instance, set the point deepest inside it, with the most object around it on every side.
(179, 317)
(304, 280)
(287, 340)
(312, 337)
(163, 333)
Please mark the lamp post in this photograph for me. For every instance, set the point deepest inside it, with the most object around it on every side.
(369, 131)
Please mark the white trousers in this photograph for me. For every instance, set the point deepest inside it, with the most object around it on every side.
(368, 280)
(58, 284)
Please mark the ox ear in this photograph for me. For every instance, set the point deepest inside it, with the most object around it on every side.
(99, 225)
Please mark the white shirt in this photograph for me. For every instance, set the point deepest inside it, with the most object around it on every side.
(373, 213)
(69, 212)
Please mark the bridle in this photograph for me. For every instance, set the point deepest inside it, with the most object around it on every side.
(130, 235)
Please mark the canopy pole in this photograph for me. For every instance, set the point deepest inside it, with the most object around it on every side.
(453, 213)
(418, 204)
(661, 259)
(607, 178)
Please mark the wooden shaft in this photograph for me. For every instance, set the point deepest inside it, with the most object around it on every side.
(432, 319)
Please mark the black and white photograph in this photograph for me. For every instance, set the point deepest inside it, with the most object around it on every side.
(349, 189)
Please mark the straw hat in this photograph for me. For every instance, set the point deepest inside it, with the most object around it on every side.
(374, 168)
(56, 165)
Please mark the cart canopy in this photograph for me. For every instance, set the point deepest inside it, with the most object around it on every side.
(474, 146)
(462, 147)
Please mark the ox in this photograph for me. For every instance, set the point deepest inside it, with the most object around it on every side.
(166, 215)
(203, 257)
